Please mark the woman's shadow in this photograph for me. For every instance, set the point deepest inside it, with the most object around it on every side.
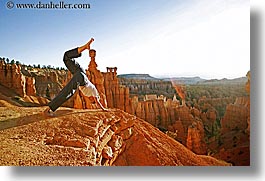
(28, 119)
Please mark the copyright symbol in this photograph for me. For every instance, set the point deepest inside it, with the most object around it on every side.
(10, 4)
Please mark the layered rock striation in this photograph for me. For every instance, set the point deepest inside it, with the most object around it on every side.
(234, 142)
(89, 138)
(11, 77)
(142, 87)
(236, 116)
(49, 82)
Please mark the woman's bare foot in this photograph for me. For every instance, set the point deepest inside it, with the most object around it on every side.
(85, 46)
(48, 112)
(89, 43)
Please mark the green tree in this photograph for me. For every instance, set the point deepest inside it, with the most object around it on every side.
(48, 92)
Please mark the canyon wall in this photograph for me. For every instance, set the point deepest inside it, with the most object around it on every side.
(11, 77)
(234, 141)
(195, 138)
(89, 138)
(141, 87)
(236, 116)
(190, 123)
(117, 95)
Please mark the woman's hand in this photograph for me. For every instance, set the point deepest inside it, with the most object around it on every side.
(105, 110)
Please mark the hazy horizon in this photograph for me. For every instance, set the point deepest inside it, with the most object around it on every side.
(206, 38)
(163, 76)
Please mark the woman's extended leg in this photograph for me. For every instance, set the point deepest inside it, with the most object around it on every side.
(79, 77)
(70, 63)
(68, 91)
(69, 56)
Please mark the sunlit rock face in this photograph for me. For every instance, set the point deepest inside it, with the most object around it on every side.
(88, 138)
(11, 77)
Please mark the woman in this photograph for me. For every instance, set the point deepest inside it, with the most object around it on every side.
(79, 80)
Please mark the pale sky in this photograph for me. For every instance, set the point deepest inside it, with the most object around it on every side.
(209, 39)
(206, 38)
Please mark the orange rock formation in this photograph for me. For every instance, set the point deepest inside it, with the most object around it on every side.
(112, 94)
(11, 77)
(187, 122)
(195, 138)
(236, 116)
(234, 143)
(88, 137)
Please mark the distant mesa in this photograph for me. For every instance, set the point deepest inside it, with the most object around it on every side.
(185, 80)
(137, 76)
(198, 80)
(225, 81)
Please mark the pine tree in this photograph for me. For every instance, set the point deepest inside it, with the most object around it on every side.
(48, 92)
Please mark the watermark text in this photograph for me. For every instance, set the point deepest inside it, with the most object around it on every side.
(47, 5)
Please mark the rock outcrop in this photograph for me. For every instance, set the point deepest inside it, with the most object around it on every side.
(169, 115)
(30, 86)
(195, 138)
(88, 137)
(142, 87)
(11, 77)
(157, 110)
(184, 120)
(9, 97)
(234, 142)
(49, 82)
(153, 111)
(117, 95)
(234, 148)
(236, 116)
(96, 77)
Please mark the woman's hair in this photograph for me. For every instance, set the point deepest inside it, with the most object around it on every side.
(92, 50)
